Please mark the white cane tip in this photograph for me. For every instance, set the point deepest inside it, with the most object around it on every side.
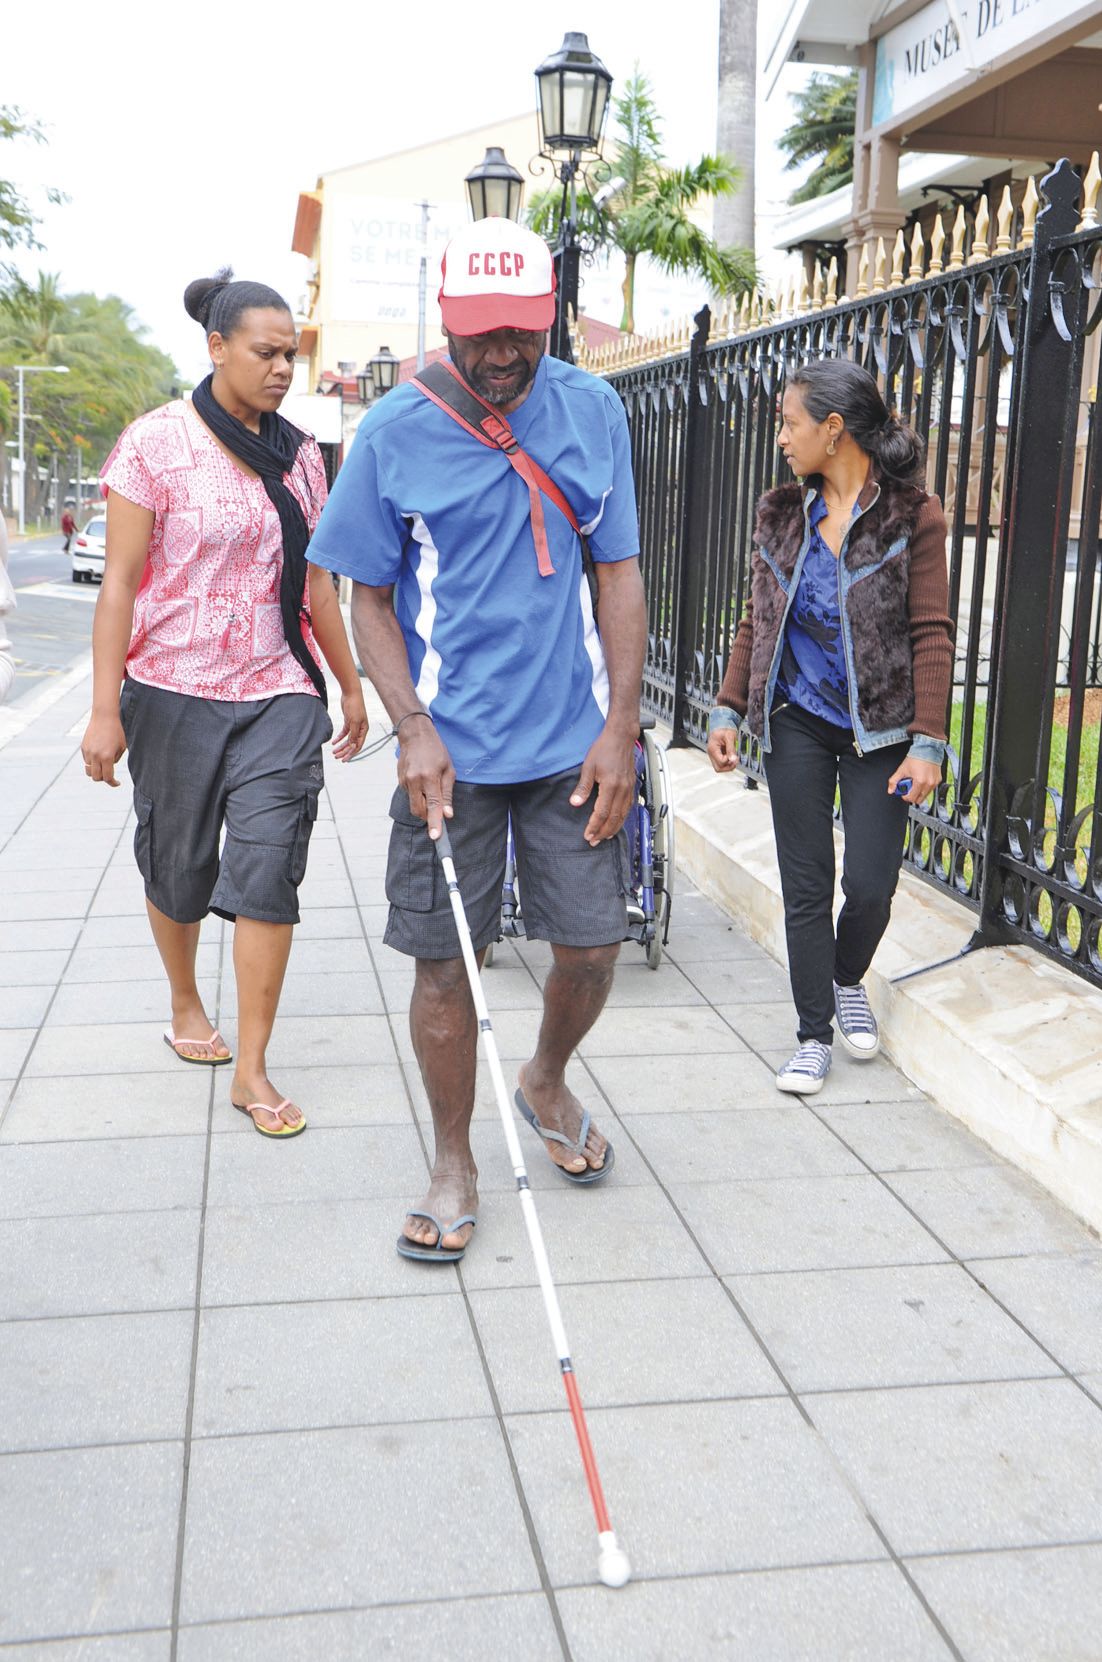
(613, 1564)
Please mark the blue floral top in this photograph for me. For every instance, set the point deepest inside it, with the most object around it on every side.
(812, 670)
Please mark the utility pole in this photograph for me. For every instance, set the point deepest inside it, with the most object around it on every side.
(422, 286)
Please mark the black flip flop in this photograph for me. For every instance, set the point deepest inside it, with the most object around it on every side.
(435, 1254)
(592, 1174)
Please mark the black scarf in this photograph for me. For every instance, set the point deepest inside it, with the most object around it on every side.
(271, 453)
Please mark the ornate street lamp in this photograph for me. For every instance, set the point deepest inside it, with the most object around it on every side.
(494, 188)
(573, 86)
(378, 375)
(573, 90)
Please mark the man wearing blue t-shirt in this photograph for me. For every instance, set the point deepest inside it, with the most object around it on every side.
(472, 614)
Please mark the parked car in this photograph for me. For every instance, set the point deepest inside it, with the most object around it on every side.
(88, 550)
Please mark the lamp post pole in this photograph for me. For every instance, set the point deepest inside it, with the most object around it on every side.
(21, 370)
(573, 89)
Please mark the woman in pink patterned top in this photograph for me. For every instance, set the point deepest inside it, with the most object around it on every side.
(208, 639)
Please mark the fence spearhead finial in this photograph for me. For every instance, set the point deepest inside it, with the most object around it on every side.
(979, 237)
(832, 281)
(956, 250)
(918, 248)
(863, 272)
(937, 246)
(1091, 184)
(1031, 201)
(1060, 189)
(1003, 221)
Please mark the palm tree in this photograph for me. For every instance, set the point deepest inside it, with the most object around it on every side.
(650, 213)
(736, 115)
(826, 117)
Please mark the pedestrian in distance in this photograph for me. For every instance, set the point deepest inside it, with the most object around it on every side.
(841, 667)
(68, 524)
(206, 667)
(472, 614)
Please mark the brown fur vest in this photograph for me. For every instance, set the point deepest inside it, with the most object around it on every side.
(875, 584)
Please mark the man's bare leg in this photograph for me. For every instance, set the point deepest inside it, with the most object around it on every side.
(178, 944)
(574, 995)
(445, 1040)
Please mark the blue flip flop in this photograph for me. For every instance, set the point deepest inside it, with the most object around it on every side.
(592, 1174)
(435, 1254)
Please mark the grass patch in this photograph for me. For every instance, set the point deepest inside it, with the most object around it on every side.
(1088, 746)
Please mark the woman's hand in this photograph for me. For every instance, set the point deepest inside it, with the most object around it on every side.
(350, 740)
(723, 749)
(924, 776)
(103, 744)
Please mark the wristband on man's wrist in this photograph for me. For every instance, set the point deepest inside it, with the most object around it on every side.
(409, 716)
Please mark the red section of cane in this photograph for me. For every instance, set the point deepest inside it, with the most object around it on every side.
(592, 1476)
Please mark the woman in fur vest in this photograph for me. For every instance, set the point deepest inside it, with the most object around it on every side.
(842, 668)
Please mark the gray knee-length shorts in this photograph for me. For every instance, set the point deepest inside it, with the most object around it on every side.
(199, 764)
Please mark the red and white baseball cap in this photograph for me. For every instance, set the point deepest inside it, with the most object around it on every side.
(496, 275)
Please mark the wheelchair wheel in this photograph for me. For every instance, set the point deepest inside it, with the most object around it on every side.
(660, 794)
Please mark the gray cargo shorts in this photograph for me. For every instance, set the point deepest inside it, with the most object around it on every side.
(198, 764)
(571, 894)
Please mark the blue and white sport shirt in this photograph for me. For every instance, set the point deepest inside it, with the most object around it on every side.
(508, 662)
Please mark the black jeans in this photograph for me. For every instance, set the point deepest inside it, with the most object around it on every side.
(809, 759)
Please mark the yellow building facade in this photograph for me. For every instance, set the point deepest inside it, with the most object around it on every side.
(365, 230)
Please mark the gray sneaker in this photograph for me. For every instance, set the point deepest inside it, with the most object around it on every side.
(857, 1027)
(804, 1073)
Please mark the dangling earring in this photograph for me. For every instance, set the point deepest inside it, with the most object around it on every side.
(830, 448)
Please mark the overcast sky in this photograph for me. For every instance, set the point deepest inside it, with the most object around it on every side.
(183, 134)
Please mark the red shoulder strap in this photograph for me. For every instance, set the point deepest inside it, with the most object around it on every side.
(443, 384)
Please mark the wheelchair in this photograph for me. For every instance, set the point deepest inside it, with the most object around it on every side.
(650, 833)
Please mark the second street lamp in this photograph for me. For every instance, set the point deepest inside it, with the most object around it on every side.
(495, 190)
(384, 371)
(573, 86)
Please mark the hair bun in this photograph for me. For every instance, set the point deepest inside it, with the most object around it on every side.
(200, 295)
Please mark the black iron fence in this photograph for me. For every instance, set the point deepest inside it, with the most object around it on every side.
(996, 364)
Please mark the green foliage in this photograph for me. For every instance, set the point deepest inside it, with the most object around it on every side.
(17, 221)
(114, 373)
(651, 213)
(826, 119)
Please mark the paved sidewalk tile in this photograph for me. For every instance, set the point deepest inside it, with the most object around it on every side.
(904, 1136)
(1006, 1606)
(984, 1211)
(852, 1329)
(100, 964)
(686, 1147)
(313, 1250)
(89, 1539)
(65, 1108)
(15, 1043)
(356, 1504)
(803, 1223)
(31, 968)
(57, 1393)
(374, 1094)
(713, 1082)
(1058, 1297)
(847, 1613)
(118, 1647)
(692, 1489)
(119, 1175)
(24, 1006)
(83, 1266)
(460, 1630)
(958, 1467)
(601, 1234)
(307, 1366)
(347, 1163)
(707, 1351)
(140, 999)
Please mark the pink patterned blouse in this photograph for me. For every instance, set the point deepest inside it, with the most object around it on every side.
(206, 617)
